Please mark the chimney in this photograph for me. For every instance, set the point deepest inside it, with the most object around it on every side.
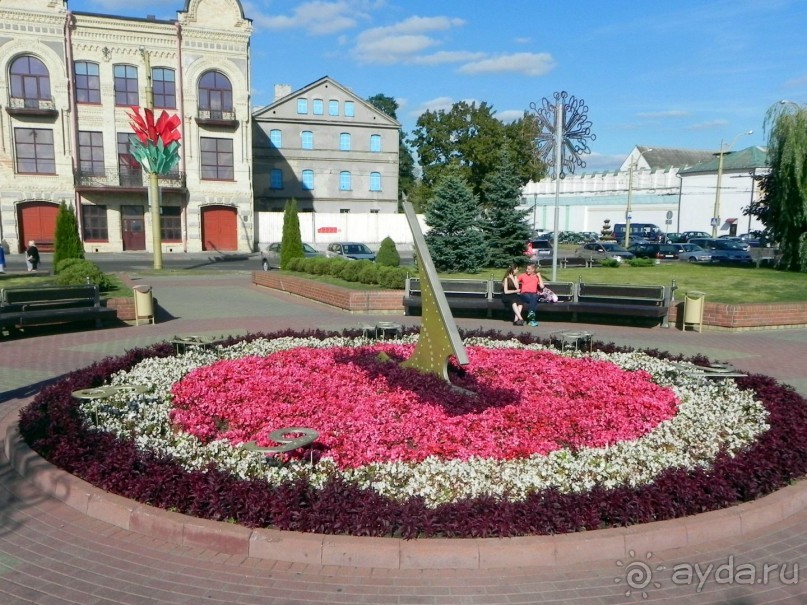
(282, 90)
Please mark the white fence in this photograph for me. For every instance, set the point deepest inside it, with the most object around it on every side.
(322, 228)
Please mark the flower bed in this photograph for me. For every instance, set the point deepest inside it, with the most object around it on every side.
(548, 444)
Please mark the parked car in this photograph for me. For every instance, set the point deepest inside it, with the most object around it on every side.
(270, 255)
(603, 251)
(693, 253)
(651, 250)
(733, 238)
(352, 250)
(724, 251)
(756, 240)
(688, 235)
(675, 238)
(538, 248)
(590, 236)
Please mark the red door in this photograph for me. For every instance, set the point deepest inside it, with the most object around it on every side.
(133, 226)
(219, 228)
(37, 221)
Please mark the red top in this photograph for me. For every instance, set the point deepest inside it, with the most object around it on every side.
(529, 283)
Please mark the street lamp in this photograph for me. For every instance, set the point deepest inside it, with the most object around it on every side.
(721, 153)
(633, 163)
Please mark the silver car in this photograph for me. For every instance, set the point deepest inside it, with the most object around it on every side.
(603, 251)
(352, 250)
(694, 254)
(270, 255)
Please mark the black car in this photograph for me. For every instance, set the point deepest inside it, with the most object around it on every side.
(659, 251)
(724, 251)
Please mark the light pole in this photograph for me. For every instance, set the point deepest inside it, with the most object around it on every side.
(633, 163)
(721, 153)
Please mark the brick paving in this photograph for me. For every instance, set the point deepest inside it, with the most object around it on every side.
(51, 553)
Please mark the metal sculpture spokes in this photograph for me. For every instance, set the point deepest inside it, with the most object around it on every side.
(575, 132)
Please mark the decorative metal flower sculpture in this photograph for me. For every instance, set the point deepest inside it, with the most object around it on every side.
(154, 144)
(575, 132)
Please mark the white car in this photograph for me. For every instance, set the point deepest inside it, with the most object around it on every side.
(693, 253)
(352, 250)
(270, 255)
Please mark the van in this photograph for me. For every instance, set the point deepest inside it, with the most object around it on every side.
(647, 231)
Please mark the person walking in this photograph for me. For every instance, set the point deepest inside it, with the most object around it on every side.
(530, 284)
(32, 256)
(510, 294)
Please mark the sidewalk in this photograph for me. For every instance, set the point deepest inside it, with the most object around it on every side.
(49, 553)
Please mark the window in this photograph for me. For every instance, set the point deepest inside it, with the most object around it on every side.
(375, 181)
(344, 181)
(88, 82)
(344, 141)
(217, 159)
(163, 83)
(129, 171)
(350, 109)
(215, 94)
(29, 80)
(375, 143)
(34, 151)
(373, 210)
(302, 106)
(91, 152)
(276, 181)
(319, 106)
(307, 139)
(308, 179)
(344, 211)
(126, 86)
(171, 223)
(276, 138)
(333, 107)
(93, 219)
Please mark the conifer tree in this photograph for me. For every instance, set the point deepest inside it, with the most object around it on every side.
(388, 255)
(67, 242)
(291, 245)
(505, 228)
(455, 238)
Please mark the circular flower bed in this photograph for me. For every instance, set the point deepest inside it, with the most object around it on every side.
(533, 442)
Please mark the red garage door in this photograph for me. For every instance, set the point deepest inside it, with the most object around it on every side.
(219, 228)
(37, 221)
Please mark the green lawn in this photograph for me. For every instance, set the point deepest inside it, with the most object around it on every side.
(34, 281)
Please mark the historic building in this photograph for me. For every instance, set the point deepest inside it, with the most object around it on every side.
(327, 148)
(675, 189)
(69, 80)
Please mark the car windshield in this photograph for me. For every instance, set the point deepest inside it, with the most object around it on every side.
(614, 248)
(308, 248)
(355, 249)
(693, 248)
(729, 245)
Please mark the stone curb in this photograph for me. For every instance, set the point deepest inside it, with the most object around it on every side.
(392, 553)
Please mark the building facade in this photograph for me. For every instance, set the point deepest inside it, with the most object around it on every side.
(69, 82)
(674, 189)
(328, 149)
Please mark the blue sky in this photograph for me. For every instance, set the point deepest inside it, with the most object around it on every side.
(686, 74)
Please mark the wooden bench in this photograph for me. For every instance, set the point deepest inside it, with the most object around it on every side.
(46, 305)
(574, 298)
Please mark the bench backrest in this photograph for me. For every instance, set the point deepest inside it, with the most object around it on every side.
(453, 287)
(622, 293)
(83, 295)
(564, 289)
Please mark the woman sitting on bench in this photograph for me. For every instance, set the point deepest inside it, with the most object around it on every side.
(510, 294)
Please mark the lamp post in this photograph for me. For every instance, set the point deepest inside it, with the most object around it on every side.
(721, 153)
(633, 163)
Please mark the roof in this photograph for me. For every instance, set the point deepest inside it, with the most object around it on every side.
(743, 160)
(662, 158)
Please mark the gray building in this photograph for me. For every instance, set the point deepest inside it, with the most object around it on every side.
(327, 148)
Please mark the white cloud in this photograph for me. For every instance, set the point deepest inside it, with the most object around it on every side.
(711, 125)
(797, 82)
(600, 162)
(402, 41)
(441, 57)
(317, 18)
(436, 104)
(510, 115)
(672, 113)
(528, 64)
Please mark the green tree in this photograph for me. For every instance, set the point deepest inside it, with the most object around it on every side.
(469, 138)
(455, 239)
(291, 245)
(406, 163)
(505, 228)
(388, 254)
(783, 208)
(67, 242)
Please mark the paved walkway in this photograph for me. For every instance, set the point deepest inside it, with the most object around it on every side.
(50, 554)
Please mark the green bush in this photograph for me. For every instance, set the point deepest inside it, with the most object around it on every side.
(350, 272)
(319, 265)
(392, 277)
(368, 273)
(67, 263)
(77, 273)
(291, 245)
(610, 262)
(296, 263)
(67, 242)
(387, 255)
(336, 265)
(641, 262)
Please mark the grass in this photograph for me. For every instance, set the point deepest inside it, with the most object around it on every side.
(37, 280)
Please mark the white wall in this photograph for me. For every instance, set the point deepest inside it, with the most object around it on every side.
(322, 228)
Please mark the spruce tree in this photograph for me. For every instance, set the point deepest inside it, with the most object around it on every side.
(505, 228)
(455, 238)
(291, 245)
(67, 242)
(388, 254)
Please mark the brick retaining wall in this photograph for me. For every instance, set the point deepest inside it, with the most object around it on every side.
(715, 315)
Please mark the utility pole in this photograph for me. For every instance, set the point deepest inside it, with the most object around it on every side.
(154, 184)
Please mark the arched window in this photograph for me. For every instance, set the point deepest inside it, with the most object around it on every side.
(375, 181)
(88, 82)
(276, 138)
(215, 94)
(344, 181)
(125, 85)
(344, 141)
(164, 86)
(29, 80)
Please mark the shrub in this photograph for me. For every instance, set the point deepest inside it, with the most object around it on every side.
(296, 263)
(388, 254)
(319, 265)
(392, 277)
(336, 265)
(610, 262)
(67, 242)
(291, 246)
(64, 264)
(641, 262)
(78, 272)
(368, 274)
(351, 270)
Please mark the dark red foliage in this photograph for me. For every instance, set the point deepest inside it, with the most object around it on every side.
(52, 426)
